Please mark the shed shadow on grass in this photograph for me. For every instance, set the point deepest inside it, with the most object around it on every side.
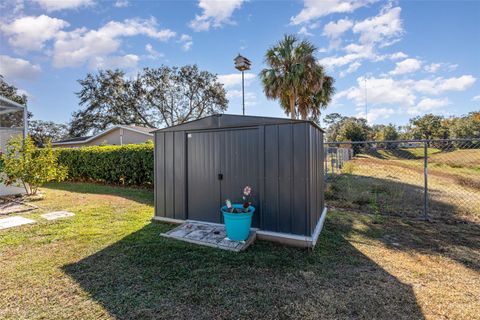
(145, 276)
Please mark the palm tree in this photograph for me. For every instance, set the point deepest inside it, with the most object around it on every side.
(295, 78)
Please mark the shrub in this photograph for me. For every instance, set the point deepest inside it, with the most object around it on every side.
(126, 165)
(24, 164)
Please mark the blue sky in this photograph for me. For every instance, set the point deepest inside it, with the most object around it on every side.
(417, 57)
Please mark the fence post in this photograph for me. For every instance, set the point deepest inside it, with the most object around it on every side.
(326, 163)
(425, 180)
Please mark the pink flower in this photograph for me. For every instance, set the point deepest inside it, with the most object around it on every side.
(247, 190)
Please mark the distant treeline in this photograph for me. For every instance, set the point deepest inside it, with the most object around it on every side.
(429, 126)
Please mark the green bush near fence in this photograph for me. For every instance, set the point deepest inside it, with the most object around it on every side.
(124, 165)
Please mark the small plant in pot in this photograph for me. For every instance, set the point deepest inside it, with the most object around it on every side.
(238, 216)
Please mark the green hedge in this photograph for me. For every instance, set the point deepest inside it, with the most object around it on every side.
(129, 165)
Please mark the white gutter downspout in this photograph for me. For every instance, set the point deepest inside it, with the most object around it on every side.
(121, 136)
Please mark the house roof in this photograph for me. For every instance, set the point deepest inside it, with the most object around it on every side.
(139, 128)
(143, 130)
(77, 139)
(231, 121)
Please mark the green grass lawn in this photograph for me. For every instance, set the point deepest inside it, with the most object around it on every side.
(109, 262)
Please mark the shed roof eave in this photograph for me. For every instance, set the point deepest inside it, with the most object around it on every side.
(259, 120)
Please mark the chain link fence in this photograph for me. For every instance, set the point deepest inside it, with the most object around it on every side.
(437, 179)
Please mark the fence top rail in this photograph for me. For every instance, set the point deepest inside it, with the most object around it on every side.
(406, 141)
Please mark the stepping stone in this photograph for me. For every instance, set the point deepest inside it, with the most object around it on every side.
(15, 207)
(57, 215)
(15, 221)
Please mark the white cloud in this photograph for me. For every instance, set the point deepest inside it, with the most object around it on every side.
(11, 9)
(215, 14)
(378, 31)
(376, 113)
(398, 55)
(385, 28)
(353, 67)
(15, 68)
(79, 46)
(335, 29)
(435, 67)
(451, 67)
(121, 4)
(379, 91)
(406, 66)
(55, 5)
(355, 53)
(186, 42)
(128, 61)
(304, 32)
(250, 97)
(235, 79)
(427, 105)
(476, 98)
(402, 93)
(338, 61)
(30, 33)
(313, 9)
(440, 85)
(152, 53)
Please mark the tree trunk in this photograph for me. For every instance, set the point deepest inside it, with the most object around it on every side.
(292, 107)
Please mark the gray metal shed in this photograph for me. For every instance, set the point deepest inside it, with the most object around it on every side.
(201, 163)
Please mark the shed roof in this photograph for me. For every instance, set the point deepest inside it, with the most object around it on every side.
(220, 121)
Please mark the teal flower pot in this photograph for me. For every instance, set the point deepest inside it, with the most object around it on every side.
(238, 225)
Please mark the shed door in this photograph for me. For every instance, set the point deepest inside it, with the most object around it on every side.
(239, 165)
(233, 154)
(203, 167)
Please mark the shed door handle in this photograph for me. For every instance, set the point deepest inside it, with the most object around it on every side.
(220, 176)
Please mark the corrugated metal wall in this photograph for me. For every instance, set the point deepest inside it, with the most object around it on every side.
(286, 160)
(286, 168)
(170, 178)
